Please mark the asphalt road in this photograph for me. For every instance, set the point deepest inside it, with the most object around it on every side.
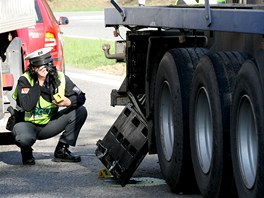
(88, 25)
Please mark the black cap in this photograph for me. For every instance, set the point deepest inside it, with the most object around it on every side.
(39, 57)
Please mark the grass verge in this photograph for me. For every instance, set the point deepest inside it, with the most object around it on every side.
(91, 5)
(77, 5)
(86, 53)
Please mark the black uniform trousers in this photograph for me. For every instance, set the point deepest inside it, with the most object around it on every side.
(67, 121)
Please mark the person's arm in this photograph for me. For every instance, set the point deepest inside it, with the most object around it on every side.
(74, 97)
(27, 95)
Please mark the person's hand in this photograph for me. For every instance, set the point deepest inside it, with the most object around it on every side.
(42, 72)
(65, 103)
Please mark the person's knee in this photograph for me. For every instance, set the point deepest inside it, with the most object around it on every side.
(21, 137)
(24, 141)
(82, 112)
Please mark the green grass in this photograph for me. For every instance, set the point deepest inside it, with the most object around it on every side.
(97, 5)
(86, 53)
(78, 5)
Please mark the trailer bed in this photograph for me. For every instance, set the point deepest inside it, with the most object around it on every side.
(227, 18)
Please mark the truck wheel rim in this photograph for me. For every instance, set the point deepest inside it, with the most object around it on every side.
(203, 130)
(247, 141)
(166, 121)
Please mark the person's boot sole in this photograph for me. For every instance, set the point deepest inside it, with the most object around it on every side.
(65, 160)
(29, 162)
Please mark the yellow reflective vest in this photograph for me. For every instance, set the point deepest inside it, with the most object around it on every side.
(44, 109)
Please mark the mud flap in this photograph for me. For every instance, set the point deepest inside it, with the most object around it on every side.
(125, 145)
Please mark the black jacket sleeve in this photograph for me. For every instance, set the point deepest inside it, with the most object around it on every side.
(27, 95)
(75, 94)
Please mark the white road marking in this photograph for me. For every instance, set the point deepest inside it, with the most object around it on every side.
(104, 79)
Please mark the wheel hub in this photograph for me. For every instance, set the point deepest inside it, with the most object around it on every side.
(204, 130)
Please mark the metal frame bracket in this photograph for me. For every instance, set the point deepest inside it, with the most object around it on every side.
(119, 9)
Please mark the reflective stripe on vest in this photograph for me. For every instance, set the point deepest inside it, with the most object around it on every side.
(44, 109)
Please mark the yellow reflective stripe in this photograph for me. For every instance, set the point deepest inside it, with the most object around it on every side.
(14, 95)
(61, 88)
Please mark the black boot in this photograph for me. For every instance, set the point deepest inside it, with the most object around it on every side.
(62, 154)
(27, 156)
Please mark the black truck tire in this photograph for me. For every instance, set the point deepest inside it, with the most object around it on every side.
(171, 109)
(247, 137)
(210, 101)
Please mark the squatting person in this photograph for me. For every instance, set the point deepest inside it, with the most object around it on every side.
(40, 91)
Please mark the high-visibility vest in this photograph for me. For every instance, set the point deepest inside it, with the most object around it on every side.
(44, 109)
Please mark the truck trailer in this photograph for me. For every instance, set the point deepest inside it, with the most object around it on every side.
(194, 88)
(14, 15)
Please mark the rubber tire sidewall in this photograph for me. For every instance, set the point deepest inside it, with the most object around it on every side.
(205, 77)
(249, 83)
(170, 169)
(176, 68)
